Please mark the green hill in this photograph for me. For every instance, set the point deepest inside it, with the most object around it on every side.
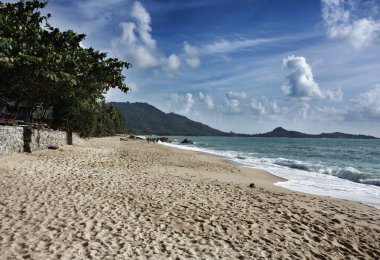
(142, 118)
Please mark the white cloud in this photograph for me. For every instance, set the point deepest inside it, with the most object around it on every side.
(140, 13)
(173, 62)
(190, 50)
(181, 103)
(137, 45)
(128, 33)
(258, 107)
(225, 46)
(207, 100)
(232, 105)
(143, 18)
(303, 110)
(133, 87)
(193, 62)
(367, 105)
(264, 107)
(144, 57)
(236, 95)
(191, 53)
(299, 80)
(342, 22)
(233, 100)
(336, 95)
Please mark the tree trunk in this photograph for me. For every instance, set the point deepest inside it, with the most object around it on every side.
(28, 132)
(69, 137)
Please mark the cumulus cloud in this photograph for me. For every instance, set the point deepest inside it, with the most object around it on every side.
(173, 62)
(233, 100)
(366, 105)
(143, 19)
(264, 107)
(300, 81)
(336, 95)
(181, 103)
(207, 100)
(258, 107)
(190, 50)
(343, 22)
(236, 95)
(232, 105)
(136, 44)
(191, 53)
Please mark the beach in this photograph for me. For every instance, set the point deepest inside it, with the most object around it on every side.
(112, 199)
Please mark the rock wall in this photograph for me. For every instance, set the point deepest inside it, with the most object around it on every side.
(12, 141)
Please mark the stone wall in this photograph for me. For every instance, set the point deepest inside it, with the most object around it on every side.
(12, 141)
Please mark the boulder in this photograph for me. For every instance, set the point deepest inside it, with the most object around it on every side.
(164, 140)
(187, 141)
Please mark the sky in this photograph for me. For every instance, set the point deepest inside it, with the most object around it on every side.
(246, 66)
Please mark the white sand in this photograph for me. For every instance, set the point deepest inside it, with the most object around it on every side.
(111, 199)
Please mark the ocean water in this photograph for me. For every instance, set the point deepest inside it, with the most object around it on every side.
(340, 168)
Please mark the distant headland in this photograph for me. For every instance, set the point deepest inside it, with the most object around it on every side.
(281, 132)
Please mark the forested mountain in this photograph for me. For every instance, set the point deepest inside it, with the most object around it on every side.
(142, 118)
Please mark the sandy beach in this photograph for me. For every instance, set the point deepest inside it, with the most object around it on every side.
(112, 199)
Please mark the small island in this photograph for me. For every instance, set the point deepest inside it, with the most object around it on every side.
(281, 132)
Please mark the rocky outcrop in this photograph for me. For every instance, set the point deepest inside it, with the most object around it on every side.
(164, 140)
(187, 141)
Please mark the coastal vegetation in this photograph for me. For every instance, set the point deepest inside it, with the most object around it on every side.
(43, 66)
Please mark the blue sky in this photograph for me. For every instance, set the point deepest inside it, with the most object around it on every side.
(244, 65)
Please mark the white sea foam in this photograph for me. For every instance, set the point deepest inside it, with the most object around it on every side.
(301, 176)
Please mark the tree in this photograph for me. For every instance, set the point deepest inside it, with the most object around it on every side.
(109, 120)
(42, 65)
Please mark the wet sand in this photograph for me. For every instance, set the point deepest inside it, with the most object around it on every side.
(112, 199)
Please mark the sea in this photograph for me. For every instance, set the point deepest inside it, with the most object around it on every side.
(341, 168)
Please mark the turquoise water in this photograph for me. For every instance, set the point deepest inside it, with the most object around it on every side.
(341, 168)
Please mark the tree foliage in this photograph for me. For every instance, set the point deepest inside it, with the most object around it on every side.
(42, 65)
(91, 119)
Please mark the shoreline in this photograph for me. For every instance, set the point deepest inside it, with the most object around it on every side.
(248, 174)
(260, 177)
(281, 182)
(108, 198)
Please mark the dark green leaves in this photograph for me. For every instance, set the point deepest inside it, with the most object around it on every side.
(42, 65)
